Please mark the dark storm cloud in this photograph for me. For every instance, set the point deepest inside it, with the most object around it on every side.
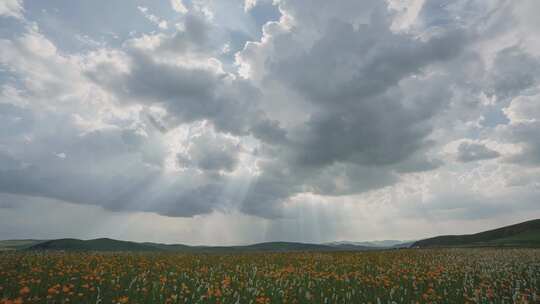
(271, 189)
(347, 66)
(370, 114)
(192, 94)
(269, 131)
(351, 76)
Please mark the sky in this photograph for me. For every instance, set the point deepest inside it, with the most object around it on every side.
(235, 122)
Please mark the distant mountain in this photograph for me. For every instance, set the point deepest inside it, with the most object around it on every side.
(105, 244)
(259, 247)
(526, 234)
(376, 244)
(283, 247)
(406, 244)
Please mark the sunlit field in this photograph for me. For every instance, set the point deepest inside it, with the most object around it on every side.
(397, 276)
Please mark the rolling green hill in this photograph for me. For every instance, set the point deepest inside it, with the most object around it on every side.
(526, 234)
(102, 244)
(115, 245)
(17, 244)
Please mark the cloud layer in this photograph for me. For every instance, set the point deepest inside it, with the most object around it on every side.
(188, 113)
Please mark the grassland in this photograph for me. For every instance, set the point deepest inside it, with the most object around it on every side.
(526, 234)
(392, 276)
(17, 244)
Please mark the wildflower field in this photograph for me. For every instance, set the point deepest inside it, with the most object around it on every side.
(394, 276)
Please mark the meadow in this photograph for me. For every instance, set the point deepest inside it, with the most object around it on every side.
(392, 276)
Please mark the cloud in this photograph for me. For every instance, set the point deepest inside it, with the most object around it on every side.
(514, 71)
(173, 72)
(469, 152)
(162, 24)
(249, 5)
(524, 115)
(349, 102)
(524, 109)
(525, 135)
(118, 169)
(179, 6)
(211, 152)
(470, 206)
(12, 8)
(113, 159)
(451, 198)
(524, 12)
(364, 117)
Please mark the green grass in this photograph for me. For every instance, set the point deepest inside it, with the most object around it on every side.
(528, 237)
(450, 275)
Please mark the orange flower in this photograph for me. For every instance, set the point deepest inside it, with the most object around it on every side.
(52, 291)
(25, 290)
(226, 282)
(262, 300)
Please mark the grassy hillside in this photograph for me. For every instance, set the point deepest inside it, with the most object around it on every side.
(115, 245)
(102, 244)
(526, 234)
(17, 244)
